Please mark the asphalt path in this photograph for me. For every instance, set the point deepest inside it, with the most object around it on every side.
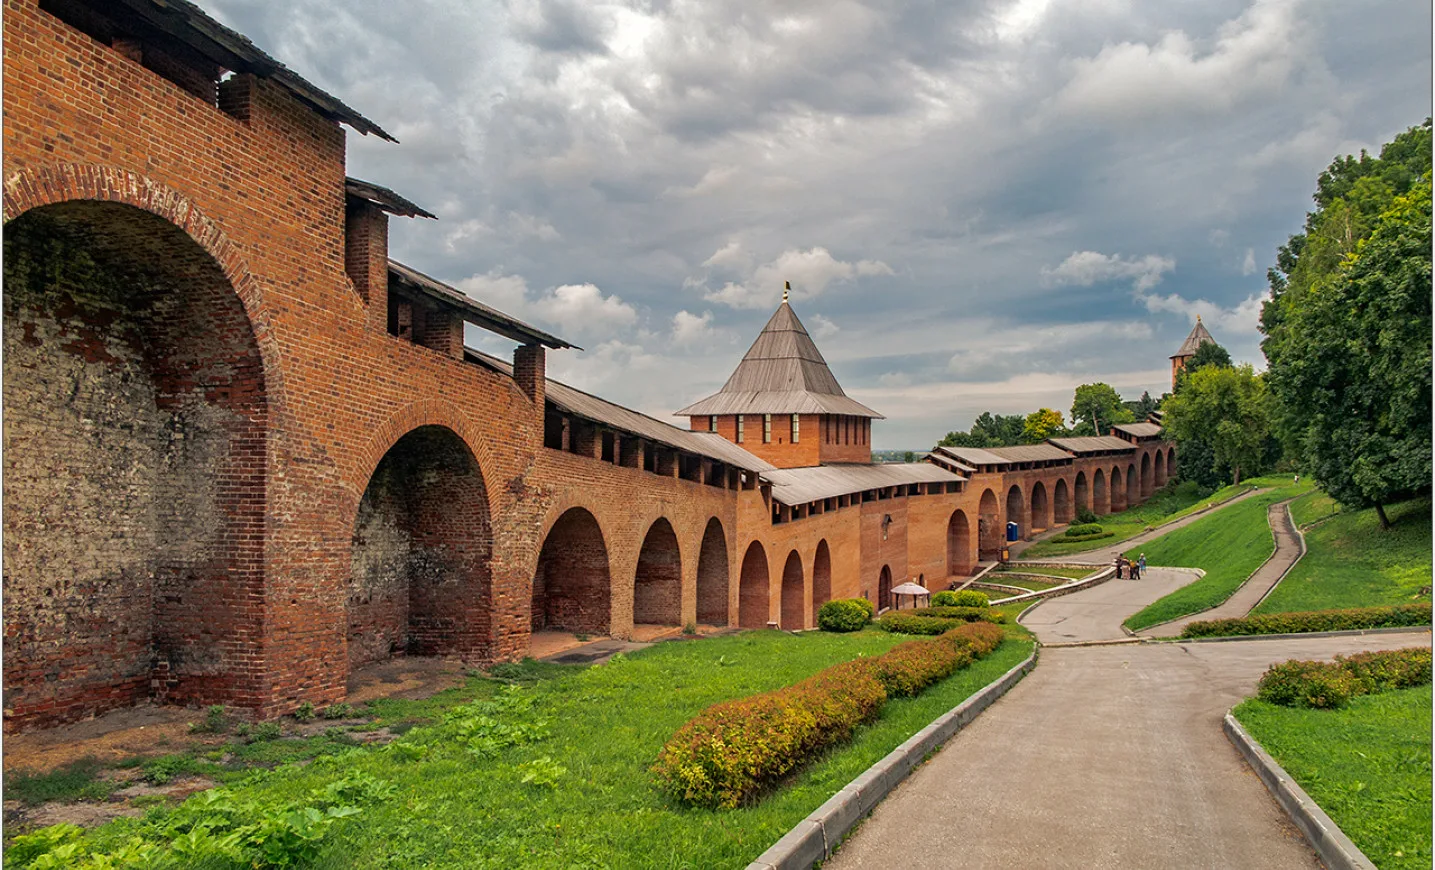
(1105, 756)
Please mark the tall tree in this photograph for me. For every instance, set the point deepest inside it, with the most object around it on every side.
(1354, 366)
(1100, 406)
(1226, 409)
(988, 430)
(1041, 425)
(1142, 407)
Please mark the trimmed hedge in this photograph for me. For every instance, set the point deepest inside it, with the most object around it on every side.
(1067, 539)
(970, 598)
(967, 614)
(1327, 685)
(945, 598)
(845, 614)
(1080, 529)
(1399, 616)
(731, 751)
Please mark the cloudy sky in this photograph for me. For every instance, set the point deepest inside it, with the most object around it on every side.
(979, 205)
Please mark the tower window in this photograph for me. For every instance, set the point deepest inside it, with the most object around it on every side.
(739, 428)
(796, 422)
(766, 428)
(712, 423)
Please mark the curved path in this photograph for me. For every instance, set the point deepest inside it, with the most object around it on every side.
(1288, 551)
(1105, 756)
(1107, 555)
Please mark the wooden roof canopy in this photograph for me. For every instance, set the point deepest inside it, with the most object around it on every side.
(782, 373)
(182, 22)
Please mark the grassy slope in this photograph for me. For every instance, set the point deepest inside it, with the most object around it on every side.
(607, 725)
(1367, 765)
(1351, 562)
(1044, 570)
(1228, 545)
(1163, 507)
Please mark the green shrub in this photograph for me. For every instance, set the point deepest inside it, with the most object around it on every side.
(971, 598)
(1067, 539)
(730, 751)
(338, 711)
(1326, 685)
(733, 750)
(911, 623)
(908, 668)
(945, 598)
(1085, 516)
(845, 614)
(1399, 616)
(304, 712)
(1081, 529)
(966, 614)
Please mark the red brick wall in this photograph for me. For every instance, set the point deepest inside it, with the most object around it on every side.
(821, 438)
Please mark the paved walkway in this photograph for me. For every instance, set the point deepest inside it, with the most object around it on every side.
(1107, 555)
(1108, 756)
(1265, 578)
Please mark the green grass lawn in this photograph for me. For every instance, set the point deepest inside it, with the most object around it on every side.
(604, 728)
(1044, 570)
(1030, 584)
(1163, 507)
(1351, 562)
(1313, 507)
(1228, 545)
(1368, 765)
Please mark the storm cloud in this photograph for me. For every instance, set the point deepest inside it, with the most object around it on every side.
(979, 205)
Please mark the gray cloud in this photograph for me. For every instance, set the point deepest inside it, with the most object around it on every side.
(593, 161)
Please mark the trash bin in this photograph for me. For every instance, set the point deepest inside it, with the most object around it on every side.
(1013, 532)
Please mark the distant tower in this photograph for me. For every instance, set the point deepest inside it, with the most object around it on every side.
(1198, 337)
(783, 404)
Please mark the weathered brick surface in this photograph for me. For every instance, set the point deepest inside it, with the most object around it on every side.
(227, 482)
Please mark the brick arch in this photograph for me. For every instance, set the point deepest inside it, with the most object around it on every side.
(425, 412)
(1133, 486)
(1147, 481)
(1016, 511)
(989, 526)
(793, 593)
(32, 188)
(1116, 486)
(1100, 495)
(713, 575)
(1081, 490)
(572, 583)
(1062, 510)
(421, 553)
(1159, 467)
(959, 544)
(884, 588)
(753, 595)
(658, 578)
(821, 576)
(1040, 507)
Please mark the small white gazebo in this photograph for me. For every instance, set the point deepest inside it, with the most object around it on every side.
(908, 588)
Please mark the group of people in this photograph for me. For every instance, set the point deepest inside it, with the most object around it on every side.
(1125, 568)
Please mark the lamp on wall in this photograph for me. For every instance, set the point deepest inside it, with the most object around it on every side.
(886, 521)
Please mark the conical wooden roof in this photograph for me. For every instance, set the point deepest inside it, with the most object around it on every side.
(782, 373)
(1198, 337)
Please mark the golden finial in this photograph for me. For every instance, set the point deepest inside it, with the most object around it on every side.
(1198, 318)
(787, 288)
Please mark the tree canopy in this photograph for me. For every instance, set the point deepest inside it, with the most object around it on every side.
(1348, 327)
(1227, 411)
(989, 430)
(1099, 406)
(1043, 424)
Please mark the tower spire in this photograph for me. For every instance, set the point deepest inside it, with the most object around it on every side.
(786, 288)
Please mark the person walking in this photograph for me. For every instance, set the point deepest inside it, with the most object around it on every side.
(1119, 560)
(1135, 571)
(1142, 563)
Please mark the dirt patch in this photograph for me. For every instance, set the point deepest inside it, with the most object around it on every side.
(117, 735)
(177, 790)
(85, 814)
(412, 679)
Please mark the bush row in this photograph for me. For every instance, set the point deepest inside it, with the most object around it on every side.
(1327, 685)
(1080, 529)
(964, 598)
(845, 614)
(1397, 616)
(1066, 539)
(933, 620)
(731, 751)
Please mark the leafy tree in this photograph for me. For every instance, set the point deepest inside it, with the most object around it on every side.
(1142, 407)
(1041, 425)
(1228, 410)
(988, 430)
(1100, 406)
(1354, 362)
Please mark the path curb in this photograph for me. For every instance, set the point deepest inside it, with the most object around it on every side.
(1297, 635)
(816, 837)
(1332, 845)
(1300, 536)
(1101, 576)
(1199, 572)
